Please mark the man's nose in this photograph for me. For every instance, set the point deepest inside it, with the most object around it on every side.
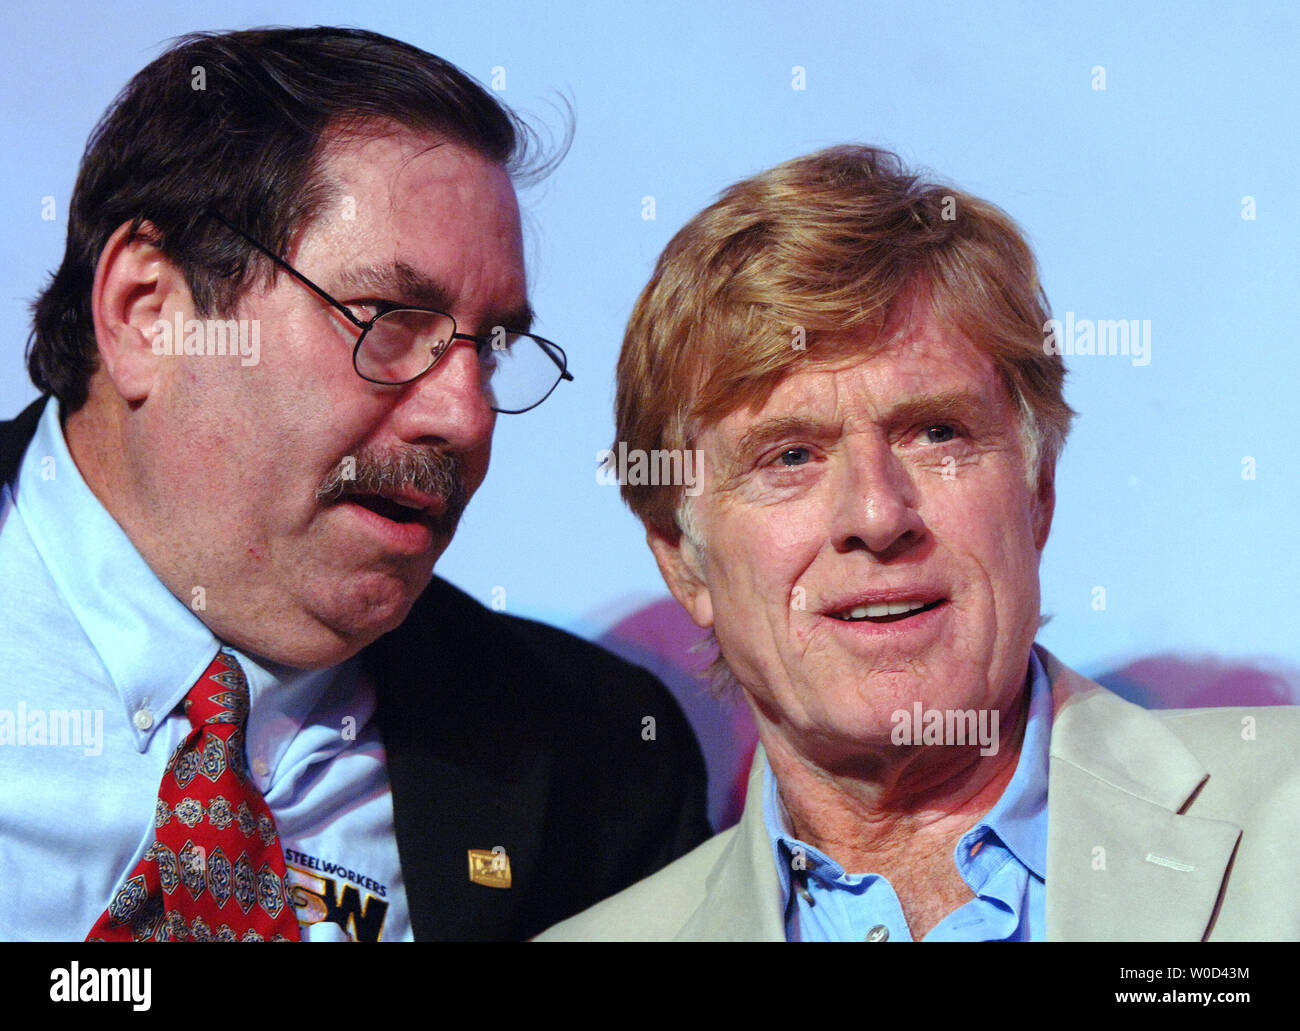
(878, 502)
(449, 402)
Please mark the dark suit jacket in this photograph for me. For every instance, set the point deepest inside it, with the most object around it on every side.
(501, 731)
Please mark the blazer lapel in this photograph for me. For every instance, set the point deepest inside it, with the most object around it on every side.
(743, 894)
(467, 766)
(444, 805)
(1122, 863)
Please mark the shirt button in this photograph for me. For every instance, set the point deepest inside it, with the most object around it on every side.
(879, 933)
(143, 719)
(260, 767)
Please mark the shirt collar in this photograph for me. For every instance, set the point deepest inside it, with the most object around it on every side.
(1016, 818)
(152, 647)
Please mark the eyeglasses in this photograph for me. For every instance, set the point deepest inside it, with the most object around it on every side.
(400, 344)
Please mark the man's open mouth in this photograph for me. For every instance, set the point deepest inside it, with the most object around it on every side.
(387, 507)
(885, 612)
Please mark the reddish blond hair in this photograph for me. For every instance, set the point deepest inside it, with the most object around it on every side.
(835, 246)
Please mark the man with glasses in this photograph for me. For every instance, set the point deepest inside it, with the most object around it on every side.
(217, 559)
(398, 345)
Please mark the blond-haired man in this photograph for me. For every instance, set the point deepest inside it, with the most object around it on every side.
(856, 357)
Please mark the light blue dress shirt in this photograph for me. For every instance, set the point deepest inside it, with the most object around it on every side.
(1002, 859)
(95, 657)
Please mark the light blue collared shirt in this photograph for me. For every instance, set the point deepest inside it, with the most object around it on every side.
(96, 655)
(1002, 859)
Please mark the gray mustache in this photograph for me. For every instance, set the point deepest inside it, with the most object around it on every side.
(380, 472)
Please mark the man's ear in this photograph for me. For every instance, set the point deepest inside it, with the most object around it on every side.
(680, 566)
(136, 293)
(1044, 505)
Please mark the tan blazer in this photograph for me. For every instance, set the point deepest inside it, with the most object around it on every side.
(1174, 825)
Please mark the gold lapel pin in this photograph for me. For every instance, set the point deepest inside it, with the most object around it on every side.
(489, 867)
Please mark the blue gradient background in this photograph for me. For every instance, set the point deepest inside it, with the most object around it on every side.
(1131, 196)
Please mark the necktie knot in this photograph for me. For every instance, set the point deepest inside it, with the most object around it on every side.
(215, 870)
(221, 694)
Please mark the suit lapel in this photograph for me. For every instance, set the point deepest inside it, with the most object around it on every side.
(743, 894)
(444, 805)
(467, 767)
(1122, 864)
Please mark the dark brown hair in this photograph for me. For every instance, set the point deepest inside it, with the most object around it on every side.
(234, 122)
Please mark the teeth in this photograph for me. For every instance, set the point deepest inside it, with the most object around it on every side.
(406, 504)
(893, 608)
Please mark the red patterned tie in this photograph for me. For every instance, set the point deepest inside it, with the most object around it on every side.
(215, 871)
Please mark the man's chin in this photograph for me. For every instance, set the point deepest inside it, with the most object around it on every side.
(360, 615)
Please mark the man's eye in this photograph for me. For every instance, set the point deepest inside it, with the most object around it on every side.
(794, 456)
(365, 311)
(940, 433)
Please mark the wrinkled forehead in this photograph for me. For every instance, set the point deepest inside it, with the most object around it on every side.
(864, 376)
(421, 220)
